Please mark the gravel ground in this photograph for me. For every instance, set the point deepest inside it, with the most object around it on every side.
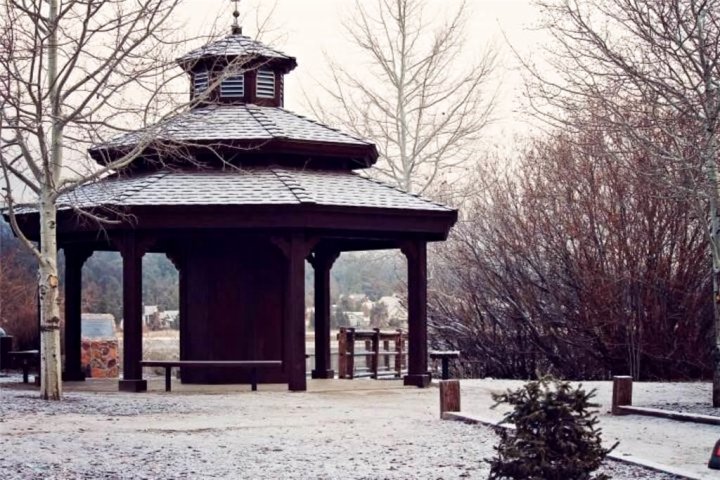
(391, 433)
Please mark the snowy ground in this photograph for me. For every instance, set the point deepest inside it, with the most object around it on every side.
(680, 444)
(348, 433)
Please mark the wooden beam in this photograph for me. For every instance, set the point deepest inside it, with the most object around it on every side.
(360, 221)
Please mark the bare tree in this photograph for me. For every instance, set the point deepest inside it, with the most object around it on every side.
(648, 69)
(73, 73)
(18, 295)
(576, 265)
(411, 91)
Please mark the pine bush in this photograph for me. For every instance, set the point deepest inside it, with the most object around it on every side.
(555, 437)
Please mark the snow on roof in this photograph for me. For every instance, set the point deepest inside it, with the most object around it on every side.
(251, 186)
(233, 45)
(235, 123)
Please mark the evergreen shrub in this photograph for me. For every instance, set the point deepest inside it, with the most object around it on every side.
(556, 436)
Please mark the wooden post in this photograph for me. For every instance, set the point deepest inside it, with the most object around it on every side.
(176, 255)
(350, 353)
(386, 357)
(449, 396)
(294, 331)
(622, 393)
(376, 352)
(342, 351)
(399, 352)
(322, 261)
(368, 358)
(132, 254)
(74, 260)
(418, 374)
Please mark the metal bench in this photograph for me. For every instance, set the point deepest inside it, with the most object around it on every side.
(26, 358)
(253, 365)
(445, 357)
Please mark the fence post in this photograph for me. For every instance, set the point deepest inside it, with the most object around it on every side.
(368, 358)
(386, 357)
(399, 354)
(342, 350)
(622, 393)
(376, 352)
(350, 363)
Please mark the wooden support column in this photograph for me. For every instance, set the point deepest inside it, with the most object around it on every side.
(177, 256)
(295, 248)
(322, 262)
(132, 254)
(75, 258)
(416, 254)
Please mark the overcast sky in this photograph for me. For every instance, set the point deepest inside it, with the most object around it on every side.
(307, 29)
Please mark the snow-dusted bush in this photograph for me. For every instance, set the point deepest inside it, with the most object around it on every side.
(555, 436)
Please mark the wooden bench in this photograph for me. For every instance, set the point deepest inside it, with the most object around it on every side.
(26, 358)
(253, 365)
(445, 357)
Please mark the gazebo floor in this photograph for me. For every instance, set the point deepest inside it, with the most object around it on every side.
(156, 384)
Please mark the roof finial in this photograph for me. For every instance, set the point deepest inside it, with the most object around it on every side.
(236, 28)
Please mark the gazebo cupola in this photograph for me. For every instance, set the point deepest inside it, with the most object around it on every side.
(236, 117)
(237, 70)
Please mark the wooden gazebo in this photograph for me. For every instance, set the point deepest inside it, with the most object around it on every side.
(238, 193)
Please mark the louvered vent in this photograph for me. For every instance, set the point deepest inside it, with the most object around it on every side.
(200, 82)
(265, 84)
(233, 87)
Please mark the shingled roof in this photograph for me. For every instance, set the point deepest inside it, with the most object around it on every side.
(230, 124)
(235, 46)
(252, 186)
(236, 122)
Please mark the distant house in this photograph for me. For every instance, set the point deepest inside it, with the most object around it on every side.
(150, 315)
(396, 310)
(309, 317)
(156, 319)
(357, 297)
(170, 319)
(358, 319)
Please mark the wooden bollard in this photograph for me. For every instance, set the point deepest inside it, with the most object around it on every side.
(622, 393)
(449, 396)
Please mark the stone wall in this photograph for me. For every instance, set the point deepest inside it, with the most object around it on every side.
(100, 358)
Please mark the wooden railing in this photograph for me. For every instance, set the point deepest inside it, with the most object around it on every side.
(384, 353)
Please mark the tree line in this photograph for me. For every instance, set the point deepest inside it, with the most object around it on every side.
(572, 263)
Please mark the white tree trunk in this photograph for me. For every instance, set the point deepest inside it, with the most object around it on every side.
(49, 298)
(714, 234)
